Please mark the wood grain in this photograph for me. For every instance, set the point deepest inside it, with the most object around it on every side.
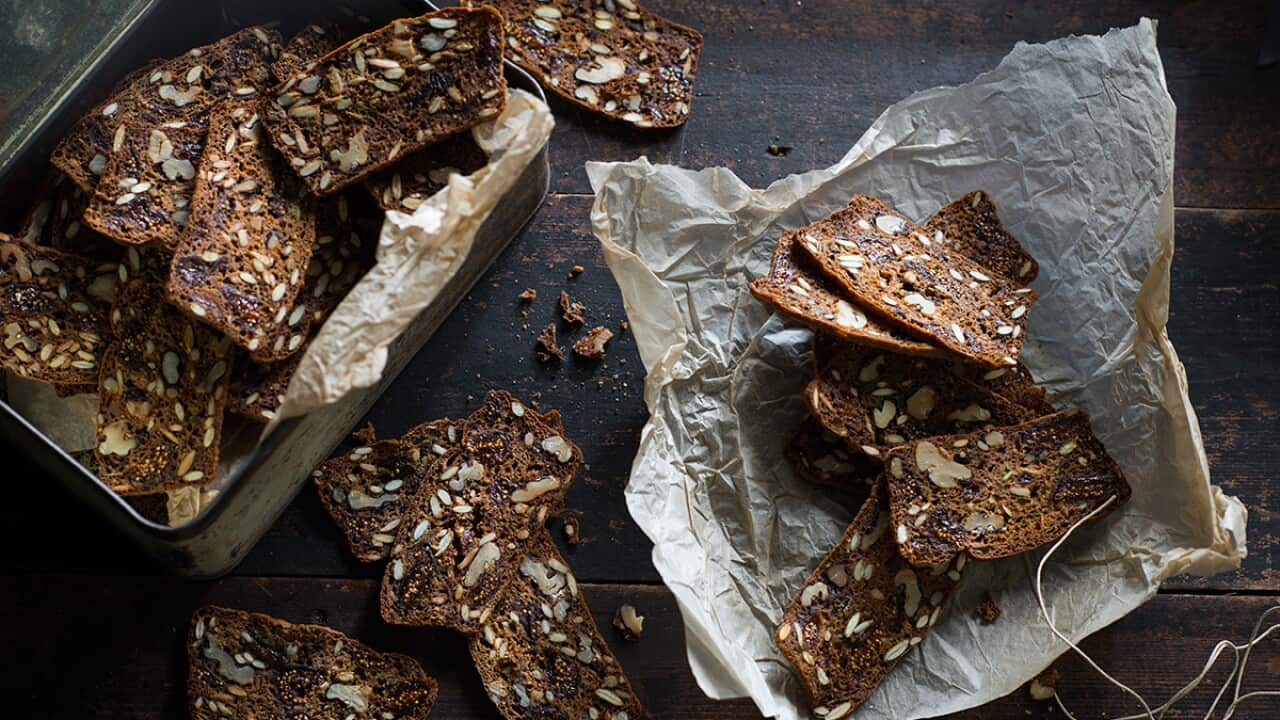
(813, 76)
(1225, 301)
(87, 646)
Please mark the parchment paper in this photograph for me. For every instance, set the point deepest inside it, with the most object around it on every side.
(417, 255)
(1074, 141)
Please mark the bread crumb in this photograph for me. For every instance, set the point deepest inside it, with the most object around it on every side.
(1043, 687)
(365, 435)
(628, 622)
(529, 295)
(591, 345)
(572, 312)
(548, 349)
(989, 610)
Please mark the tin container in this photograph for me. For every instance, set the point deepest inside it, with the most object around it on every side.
(77, 72)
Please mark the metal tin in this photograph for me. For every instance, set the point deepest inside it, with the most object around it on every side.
(266, 481)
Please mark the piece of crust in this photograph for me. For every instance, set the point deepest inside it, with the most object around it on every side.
(310, 44)
(971, 226)
(162, 392)
(540, 655)
(617, 59)
(183, 88)
(144, 196)
(410, 182)
(247, 665)
(591, 345)
(861, 612)
(364, 489)
(881, 260)
(467, 529)
(1001, 492)
(54, 313)
(824, 459)
(388, 94)
(797, 289)
(877, 400)
(243, 256)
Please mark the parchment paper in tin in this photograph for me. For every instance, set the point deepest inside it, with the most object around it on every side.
(1074, 141)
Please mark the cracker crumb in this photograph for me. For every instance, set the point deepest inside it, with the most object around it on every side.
(529, 295)
(572, 530)
(591, 345)
(572, 312)
(628, 622)
(547, 348)
(989, 610)
(576, 270)
(365, 435)
(1044, 686)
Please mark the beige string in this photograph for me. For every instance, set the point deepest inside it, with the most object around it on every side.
(1240, 652)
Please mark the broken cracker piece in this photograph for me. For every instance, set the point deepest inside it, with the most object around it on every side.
(861, 612)
(528, 296)
(547, 348)
(1001, 491)
(591, 345)
(247, 665)
(617, 59)
(1045, 685)
(540, 654)
(54, 309)
(628, 622)
(571, 311)
(989, 610)
(824, 459)
(388, 94)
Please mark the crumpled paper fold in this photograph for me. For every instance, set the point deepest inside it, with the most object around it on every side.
(1073, 139)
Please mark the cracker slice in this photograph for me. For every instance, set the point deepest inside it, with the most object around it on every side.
(881, 260)
(861, 612)
(462, 540)
(55, 221)
(54, 310)
(876, 400)
(182, 88)
(364, 490)
(310, 44)
(144, 196)
(387, 94)
(409, 183)
(1001, 492)
(823, 458)
(1015, 384)
(162, 392)
(247, 665)
(800, 291)
(540, 655)
(617, 59)
(971, 226)
(243, 256)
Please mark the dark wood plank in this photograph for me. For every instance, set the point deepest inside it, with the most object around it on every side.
(112, 647)
(1225, 302)
(813, 76)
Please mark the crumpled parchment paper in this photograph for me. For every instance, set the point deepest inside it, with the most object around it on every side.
(417, 255)
(1073, 139)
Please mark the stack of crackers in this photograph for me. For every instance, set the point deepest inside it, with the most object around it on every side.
(208, 215)
(920, 400)
(458, 509)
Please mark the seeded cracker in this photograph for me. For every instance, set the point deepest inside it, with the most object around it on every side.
(387, 94)
(824, 459)
(860, 613)
(541, 655)
(54, 309)
(410, 182)
(364, 489)
(614, 58)
(184, 88)
(312, 43)
(881, 260)
(468, 527)
(1001, 492)
(877, 400)
(801, 292)
(243, 256)
(246, 665)
(144, 196)
(971, 226)
(1012, 383)
(163, 390)
(55, 221)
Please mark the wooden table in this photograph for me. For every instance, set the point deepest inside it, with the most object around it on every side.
(91, 629)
